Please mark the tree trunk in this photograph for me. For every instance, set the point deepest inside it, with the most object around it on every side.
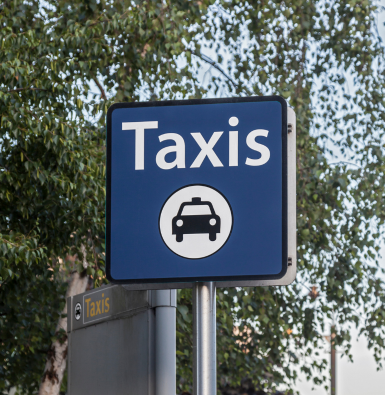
(57, 355)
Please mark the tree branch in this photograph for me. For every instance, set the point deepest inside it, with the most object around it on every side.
(29, 160)
(217, 67)
(344, 162)
(25, 89)
(102, 92)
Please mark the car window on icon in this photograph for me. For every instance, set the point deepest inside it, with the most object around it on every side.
(199, 209)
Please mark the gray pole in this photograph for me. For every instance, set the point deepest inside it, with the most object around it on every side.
(333, 389)
(205, 341)
(164, 302)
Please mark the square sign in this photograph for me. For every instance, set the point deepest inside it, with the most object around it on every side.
(197, 190)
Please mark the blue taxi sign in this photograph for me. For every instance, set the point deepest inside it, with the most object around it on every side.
(197, 190)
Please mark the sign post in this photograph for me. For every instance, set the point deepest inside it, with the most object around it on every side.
(164, 302)
(201, 194)
(205, 339)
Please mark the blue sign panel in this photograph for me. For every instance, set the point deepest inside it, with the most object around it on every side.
(197, 190)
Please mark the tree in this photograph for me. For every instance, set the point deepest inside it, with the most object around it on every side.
(55, 55)
(327, 60)
(51, 191)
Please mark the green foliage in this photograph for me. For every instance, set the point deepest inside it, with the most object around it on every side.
(62, 64)
(51, 189)
(30, 308)
(53, 57)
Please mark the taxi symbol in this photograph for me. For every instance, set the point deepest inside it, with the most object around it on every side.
(78, 311)
(196, 217)
(195, 221)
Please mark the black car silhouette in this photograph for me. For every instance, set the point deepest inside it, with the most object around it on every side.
(187, 222)
(78, 311)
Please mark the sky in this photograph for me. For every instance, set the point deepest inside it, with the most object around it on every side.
(358, 378)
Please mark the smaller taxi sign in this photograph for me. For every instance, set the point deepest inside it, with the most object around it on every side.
(96, 305)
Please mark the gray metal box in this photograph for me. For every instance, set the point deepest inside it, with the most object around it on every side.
(111, 333)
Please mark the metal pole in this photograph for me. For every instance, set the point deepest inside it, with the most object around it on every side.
(333, 390)
(205, 343)
(164, 302)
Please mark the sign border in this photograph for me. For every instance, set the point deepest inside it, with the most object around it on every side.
(284, 189)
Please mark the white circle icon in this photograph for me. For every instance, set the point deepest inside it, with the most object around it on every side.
(195, 221)
(78, 311)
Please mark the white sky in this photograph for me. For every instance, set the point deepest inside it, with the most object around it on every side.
(358, 378)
